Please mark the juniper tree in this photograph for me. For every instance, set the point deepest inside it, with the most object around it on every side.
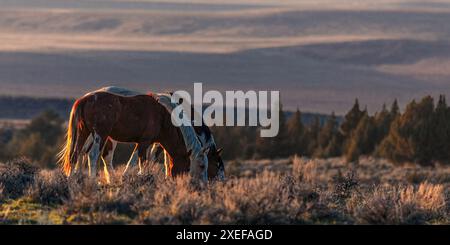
(362, 138)
(295, 134)
(329, 139)
(441, 134)
(410, 137)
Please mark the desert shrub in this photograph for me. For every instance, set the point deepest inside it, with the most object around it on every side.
(180, 200)
(16, 177)
(402, 205)
(133, 181)
(344, 186)
(2, 196)
(263, 199)
(127, 196)
(416, 177)
(50, 187)
(259, 200)
(313, 192)
(304, 170)
(233, 168)
(427, 196)
(86, 196)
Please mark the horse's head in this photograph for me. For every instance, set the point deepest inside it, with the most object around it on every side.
(199, 163)
(216, 167)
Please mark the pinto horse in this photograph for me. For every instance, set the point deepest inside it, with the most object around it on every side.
(215, 163)
(216, 166)
(125, 116)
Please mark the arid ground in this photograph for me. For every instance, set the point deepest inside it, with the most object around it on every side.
(287, 191)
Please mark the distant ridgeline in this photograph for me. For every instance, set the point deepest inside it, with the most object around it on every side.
(27, 107)
(309, 117)
(12, 107)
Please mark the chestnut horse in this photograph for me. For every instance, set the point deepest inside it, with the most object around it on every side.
(125, 116)
(216, 169)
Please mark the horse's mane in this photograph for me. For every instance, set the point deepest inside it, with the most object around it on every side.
(190, 137)
(205, 136)
(203, 132)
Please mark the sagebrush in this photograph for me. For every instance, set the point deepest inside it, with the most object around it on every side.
(290, 191)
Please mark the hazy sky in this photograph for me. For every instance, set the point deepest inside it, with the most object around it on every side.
(207, 5)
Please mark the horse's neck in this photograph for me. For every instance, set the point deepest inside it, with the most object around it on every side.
(188, 133)
(171, 139)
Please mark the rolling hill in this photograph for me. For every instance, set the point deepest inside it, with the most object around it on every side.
(320, 56)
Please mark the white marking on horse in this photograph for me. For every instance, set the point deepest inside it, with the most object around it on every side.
(87, 144)
(94, 154)
(117, 91)
(107, 162)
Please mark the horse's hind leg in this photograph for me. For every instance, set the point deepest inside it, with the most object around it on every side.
(142, 154)
(155, 152)
(83, 142)
(94, 153)
(107, 158)
(133, 159)
(83, 160)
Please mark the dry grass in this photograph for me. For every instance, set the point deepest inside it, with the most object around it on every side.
(291, 191)
(403, 205)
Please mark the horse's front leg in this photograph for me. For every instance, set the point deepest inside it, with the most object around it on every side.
(152, 153)
(168, 164)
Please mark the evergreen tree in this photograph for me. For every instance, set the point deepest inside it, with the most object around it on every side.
(38, 140)
(395, 110)
(329, 139)
(362, 139)
(312, 136)
(441, 135)
(351, 119)
(383, 121)
(295, 134)
(274, 146)
(48, 125)
(411, 135)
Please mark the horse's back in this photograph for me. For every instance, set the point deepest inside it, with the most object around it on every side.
(124, 118)
(118, 91)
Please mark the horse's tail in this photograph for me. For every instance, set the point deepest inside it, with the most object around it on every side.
(65, 155)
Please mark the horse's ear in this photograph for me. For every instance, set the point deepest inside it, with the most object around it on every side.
(219, 151)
